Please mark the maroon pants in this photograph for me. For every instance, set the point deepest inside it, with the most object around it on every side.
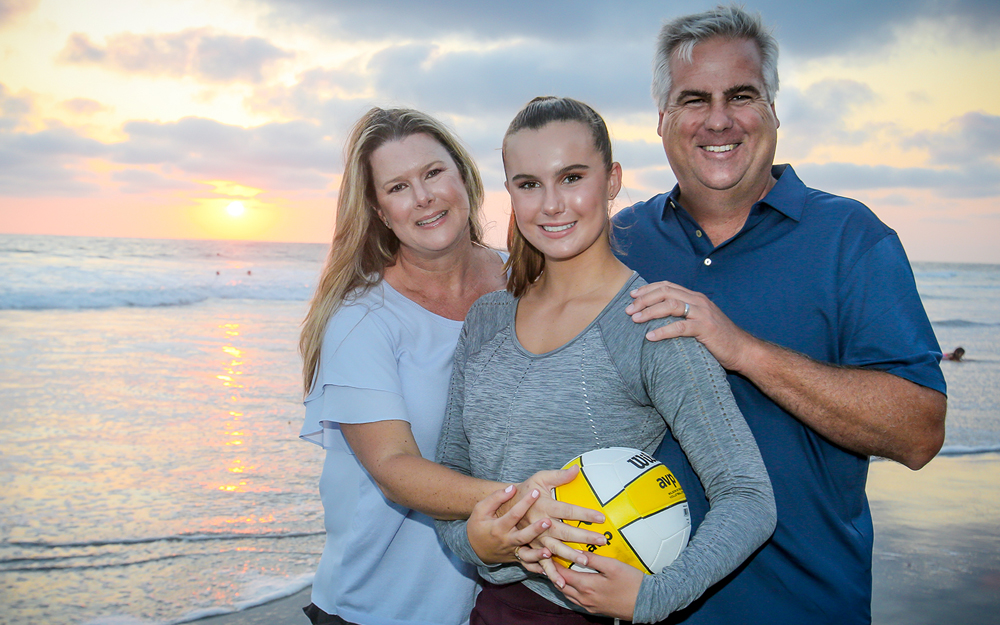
(515, 604)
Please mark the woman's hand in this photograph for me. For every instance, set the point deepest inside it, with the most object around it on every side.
(544, 482)
(611, 591)
(496, 538)
(546, 508)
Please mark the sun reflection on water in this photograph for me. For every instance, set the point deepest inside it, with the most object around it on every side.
(144, 465)
(233, 429)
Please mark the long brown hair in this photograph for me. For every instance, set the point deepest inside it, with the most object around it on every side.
(363, 246)
(526, 263)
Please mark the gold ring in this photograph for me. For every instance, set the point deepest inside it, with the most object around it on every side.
(516, 555)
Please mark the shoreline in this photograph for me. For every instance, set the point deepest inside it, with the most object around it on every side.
(936, 557)
(284, 611)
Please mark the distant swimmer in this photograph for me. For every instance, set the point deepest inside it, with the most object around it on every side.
(956, 355)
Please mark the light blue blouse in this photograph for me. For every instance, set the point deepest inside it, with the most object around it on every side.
(384, 357)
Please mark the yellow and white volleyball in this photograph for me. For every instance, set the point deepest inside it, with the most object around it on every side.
(647, 521)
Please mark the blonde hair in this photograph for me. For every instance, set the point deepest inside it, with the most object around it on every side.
(525, 262)
(362, 245)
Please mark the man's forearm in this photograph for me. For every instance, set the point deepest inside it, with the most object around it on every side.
(863, 410)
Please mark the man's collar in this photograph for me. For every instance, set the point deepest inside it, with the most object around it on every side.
(787, 196)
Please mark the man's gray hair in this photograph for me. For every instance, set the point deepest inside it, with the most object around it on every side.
(682, 34)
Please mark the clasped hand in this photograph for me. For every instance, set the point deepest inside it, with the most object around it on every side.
(530, 531)
(524, 518)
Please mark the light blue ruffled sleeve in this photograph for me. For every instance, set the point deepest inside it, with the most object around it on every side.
(357, 380)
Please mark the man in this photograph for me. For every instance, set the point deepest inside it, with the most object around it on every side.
(805, 298)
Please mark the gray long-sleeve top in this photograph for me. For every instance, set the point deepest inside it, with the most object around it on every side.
(512, 413)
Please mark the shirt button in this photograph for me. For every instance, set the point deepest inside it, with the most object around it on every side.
(697, 233)
(708, 261)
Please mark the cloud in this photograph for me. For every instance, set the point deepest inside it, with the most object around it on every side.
(53, 161)
(84, 106)
(815, 117)
(139, 181)
(488, 86)
(806, 29)
(278, 156)
(385, 20)
(14, 106)
(971, 139)
(863, 27)
(13, 10)
(981, 180)
(639, 154)
(43, 179)
(331, 97)
(501, 80)
(43, 163)
(199, 52)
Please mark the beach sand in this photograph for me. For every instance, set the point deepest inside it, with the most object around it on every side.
(287, 611)
(937, 541)
(937, 547)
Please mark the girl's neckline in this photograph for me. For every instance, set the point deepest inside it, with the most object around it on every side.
(517, 342)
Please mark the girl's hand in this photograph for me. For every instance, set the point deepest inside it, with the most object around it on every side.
(496, 538)
(553, 540)
(612, 591)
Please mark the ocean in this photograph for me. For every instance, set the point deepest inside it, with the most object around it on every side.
(150, 403)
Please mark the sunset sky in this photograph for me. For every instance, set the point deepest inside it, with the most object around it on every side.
(150, 118)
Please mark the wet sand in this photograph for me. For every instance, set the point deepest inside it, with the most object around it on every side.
(287, 611)
(937, 541)
(936, 557)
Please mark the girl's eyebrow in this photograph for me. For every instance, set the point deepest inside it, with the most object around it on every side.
(563, 171)
(569, 168)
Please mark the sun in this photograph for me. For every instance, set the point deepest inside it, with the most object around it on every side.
(235, 209)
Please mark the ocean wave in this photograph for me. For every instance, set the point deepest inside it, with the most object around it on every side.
(70, 563)
(966, 450)
(257, 594)
(52, 556)
(157, 539)
(261, 595)
(147, 298)
(958, 450)
(963, 323)
(40, 568)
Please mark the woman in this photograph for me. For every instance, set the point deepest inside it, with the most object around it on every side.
(405, 265)
(569, 372)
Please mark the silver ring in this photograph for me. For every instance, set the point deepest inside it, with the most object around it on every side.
(687, 309)
(517, 555)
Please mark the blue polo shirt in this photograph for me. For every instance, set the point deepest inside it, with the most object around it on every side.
(819, 274)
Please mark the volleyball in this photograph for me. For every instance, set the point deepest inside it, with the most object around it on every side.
(646, 517)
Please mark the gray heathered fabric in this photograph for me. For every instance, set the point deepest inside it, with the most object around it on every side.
(512, 413)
